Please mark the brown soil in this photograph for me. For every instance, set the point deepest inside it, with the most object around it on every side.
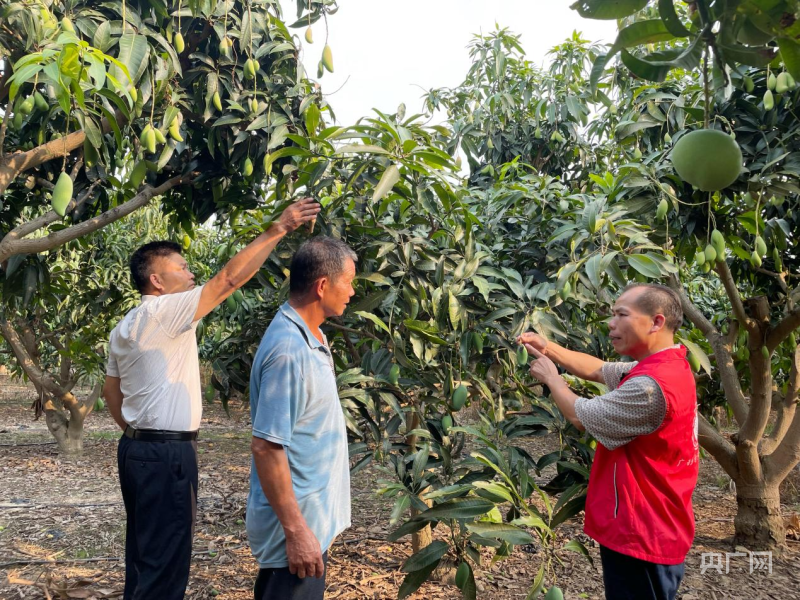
(62, 526)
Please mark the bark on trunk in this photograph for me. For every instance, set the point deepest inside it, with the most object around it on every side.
(67, 432)
(423, 537)
(759, 523)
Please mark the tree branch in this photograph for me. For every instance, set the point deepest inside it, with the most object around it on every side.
(11, 165)
(10, 247)
(732, 291)
(50, 216)
(722, 353)
(778, 464)
(782, 329)
(720, 448)
(786, 410)
(28, 365)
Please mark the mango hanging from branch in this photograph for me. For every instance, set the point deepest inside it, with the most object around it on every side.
(62, 194)
(327, 58)
(708, 159)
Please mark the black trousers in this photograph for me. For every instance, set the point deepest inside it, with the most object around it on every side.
(159, 489)
(280, 584)
(628, 578)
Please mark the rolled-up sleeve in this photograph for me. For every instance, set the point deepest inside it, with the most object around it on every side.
(637, 407)
(281, 400)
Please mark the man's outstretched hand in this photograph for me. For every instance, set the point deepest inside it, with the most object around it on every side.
(302, 211)
(542, 368)
(529, 338)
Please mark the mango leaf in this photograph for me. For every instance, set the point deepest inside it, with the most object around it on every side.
(133, 51)
(375, 319)
(458, 508)
(357, 148)
(644, 69)
(698, 353)
(413, 580)
(575, 546)
(643, 32)
(645, 265)
(405, 529)
(389, 178)
(608, 9)
(666, 10)
(790, 53)
(430, 554)
(501, 531)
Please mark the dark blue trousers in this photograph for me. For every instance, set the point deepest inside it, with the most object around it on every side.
(280, 584)
(628, 578)
(159, 489)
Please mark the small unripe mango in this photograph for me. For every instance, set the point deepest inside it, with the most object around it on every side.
(309, 35)
(178, 42)
(522, 356)
(459, 397)
(661, 212)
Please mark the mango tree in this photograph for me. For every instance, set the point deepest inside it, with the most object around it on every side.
(737, 227)
(106, 107)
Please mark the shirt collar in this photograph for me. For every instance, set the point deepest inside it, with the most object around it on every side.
(295, 318)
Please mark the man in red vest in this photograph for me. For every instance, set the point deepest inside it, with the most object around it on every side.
(639, 503)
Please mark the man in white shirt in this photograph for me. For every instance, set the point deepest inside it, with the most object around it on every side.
(153, 392)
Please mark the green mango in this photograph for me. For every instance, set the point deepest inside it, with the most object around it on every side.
(238, 296)
(711, 254)
(782, 84)
(327, 58)
(159, 136)
(62, 194)
(217, 101)
(522, 356)
(637, 154)
(26, 106)
(760, 246)
(477, 341)
(772, 82)
(459, 397)
(748, 84)
(178, 42)
(137, 174)
(700, 257)
(187, 241)
(247, 169)
(718, 242)
(99, 404)
(230, 303)
(765, 352)
(309, 35)
(394, 374)
(662, 209)
(447, 423)
(175, 130)
(769, 100)
(755, 259)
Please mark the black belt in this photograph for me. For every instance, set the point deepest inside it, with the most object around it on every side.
(159, 435)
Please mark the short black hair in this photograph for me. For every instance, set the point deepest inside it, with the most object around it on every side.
(142, 261)
(659, 300)
(321, 256)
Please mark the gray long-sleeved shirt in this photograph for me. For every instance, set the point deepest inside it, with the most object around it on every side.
(637, 407)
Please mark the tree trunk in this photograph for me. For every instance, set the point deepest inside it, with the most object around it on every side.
(759, 523)
(68, 432)
(423, 537)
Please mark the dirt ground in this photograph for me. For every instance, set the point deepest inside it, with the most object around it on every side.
(62, 526)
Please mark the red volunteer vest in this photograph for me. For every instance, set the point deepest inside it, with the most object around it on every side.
(639, 501)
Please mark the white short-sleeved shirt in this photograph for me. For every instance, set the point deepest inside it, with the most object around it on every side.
(153, 351)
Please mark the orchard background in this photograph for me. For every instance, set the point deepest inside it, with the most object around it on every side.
(542, 193)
